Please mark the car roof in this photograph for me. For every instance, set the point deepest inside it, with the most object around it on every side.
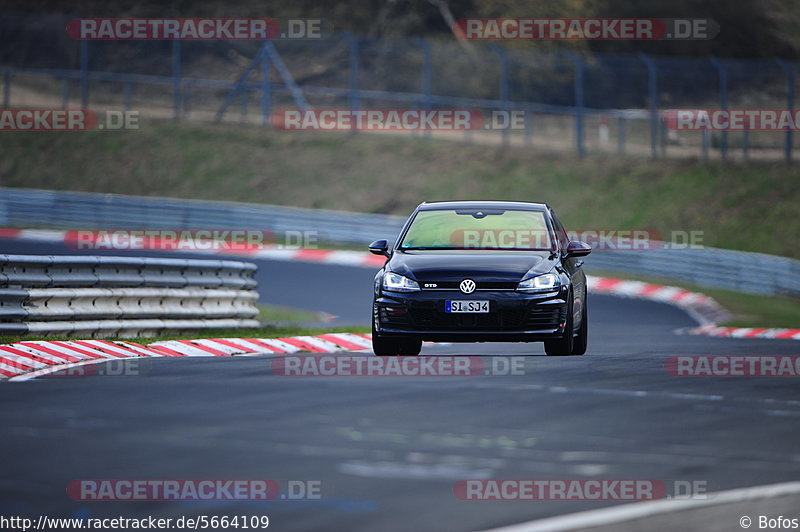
(521, 205)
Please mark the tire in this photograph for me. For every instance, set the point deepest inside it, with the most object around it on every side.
(387, 346)
(580, 342)
(562, 346)
(382, 346)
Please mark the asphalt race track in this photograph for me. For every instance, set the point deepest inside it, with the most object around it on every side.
(388, 450)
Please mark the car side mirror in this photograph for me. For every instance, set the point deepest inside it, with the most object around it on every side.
(577, 248)
(379, 247)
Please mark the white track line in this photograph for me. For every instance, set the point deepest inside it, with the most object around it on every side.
(639, 510)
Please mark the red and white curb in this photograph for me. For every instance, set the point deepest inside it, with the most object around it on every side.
(701, 307)
(27, 360)
(746, 332)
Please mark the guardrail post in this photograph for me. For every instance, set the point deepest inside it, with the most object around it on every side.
(266, 86)
(84, 45)
(652, 83)
(723, 101)
(579, 102)
(501, 54)
(426, 76)
(176, 78)
(789, 103)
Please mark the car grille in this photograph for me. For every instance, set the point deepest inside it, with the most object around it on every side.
(549, 317)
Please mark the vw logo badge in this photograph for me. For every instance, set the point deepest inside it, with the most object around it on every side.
(467, 286)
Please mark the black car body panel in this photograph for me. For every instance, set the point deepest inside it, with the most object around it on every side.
(512, 316)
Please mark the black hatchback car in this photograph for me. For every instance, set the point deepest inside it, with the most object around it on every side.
(480, 271)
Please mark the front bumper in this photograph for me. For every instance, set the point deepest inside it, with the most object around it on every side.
(512, 317)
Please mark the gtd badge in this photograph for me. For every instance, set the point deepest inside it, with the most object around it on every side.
(467, 286)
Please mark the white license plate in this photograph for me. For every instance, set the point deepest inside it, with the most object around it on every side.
(476, 307)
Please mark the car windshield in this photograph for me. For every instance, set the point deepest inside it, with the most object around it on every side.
(487, 229)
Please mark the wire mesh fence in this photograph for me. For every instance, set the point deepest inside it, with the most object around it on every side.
(600, 103)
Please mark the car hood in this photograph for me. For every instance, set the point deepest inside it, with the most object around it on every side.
(454, 266)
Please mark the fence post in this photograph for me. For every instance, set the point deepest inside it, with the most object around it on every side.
(176, 78)
(266, 86)
(652, 83)
(353, 79)
(579, 102)
(426, 76)
(789, 103)
(501, 54)
(621, 135)
(723, 101)
(84, 45)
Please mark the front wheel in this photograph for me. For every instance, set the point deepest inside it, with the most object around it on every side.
(396, 346)
(577, 343)
(580, 342)
(393, 346)
(562, 346)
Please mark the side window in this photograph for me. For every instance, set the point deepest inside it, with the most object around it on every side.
(561, 233)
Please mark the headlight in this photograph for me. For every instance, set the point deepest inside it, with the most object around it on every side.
(394, 282)
(541, 283)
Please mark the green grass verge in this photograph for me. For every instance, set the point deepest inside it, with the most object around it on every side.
(747, 206)
(747, 310)
(279, 314)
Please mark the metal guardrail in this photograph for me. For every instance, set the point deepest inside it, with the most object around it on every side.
(707, 267)
(738, 271)
(123, 296)
(79, 210)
